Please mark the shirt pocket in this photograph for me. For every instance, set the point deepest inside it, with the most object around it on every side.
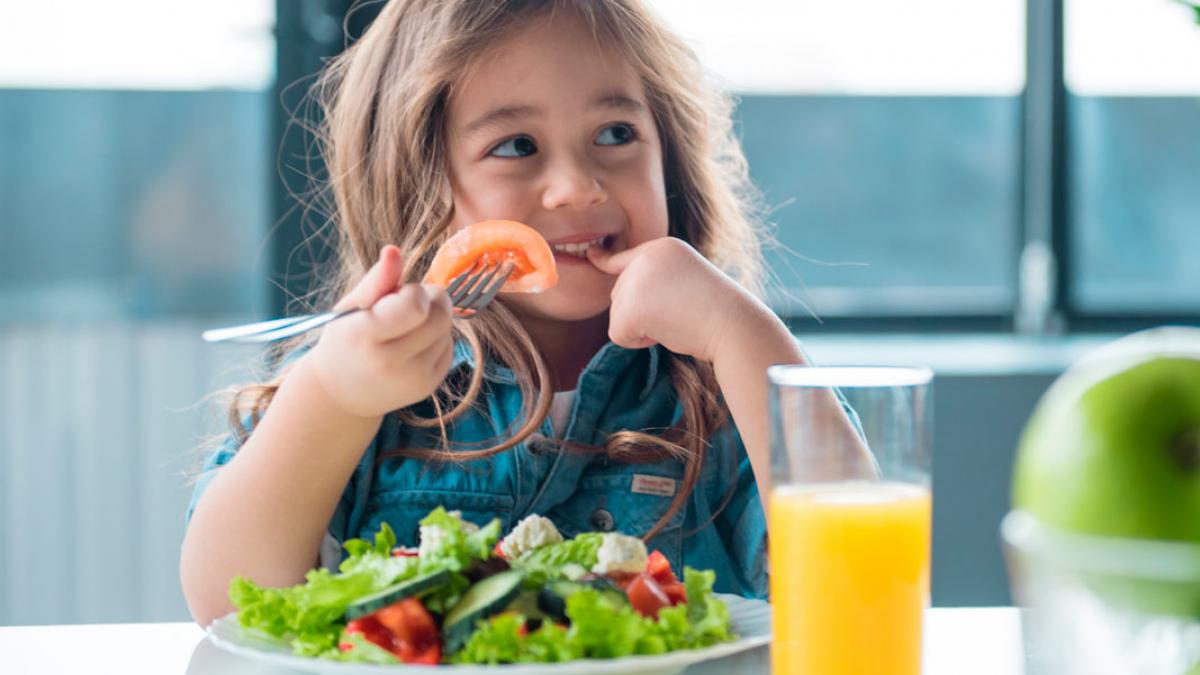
(609, 503)
(404, 509)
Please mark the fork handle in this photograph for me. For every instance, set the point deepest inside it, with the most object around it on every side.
(469, 292)
(273, 329)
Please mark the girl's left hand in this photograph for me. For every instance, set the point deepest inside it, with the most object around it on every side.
(669, 294)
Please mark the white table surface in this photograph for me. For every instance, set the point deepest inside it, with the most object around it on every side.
(977, 640)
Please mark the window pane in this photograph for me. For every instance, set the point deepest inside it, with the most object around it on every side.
(134, 177)
(137, 44)
(886, 137)
(135, 173)
(888, 205)
(1135, 155)
(869, 47)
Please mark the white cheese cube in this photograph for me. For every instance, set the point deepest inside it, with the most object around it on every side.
(620, 553)
(533, 532)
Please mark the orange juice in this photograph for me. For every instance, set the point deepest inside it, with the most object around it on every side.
(849, 577)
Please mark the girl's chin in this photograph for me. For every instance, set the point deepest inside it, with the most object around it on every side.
(566, 310)
(583, 292)
(561, 306)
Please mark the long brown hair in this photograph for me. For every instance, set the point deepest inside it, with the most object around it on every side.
(383, 139)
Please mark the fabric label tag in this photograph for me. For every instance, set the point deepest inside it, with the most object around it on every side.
(653, 485)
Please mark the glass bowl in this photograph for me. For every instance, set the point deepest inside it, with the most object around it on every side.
(1098, 605)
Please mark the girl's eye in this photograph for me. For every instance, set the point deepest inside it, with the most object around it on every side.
(617, 134)
(520, 146)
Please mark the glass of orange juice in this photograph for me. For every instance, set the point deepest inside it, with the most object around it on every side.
(849, 515)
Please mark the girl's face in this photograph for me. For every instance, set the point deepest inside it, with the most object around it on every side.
(553, 130)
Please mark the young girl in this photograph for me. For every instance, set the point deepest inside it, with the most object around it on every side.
(631, 397)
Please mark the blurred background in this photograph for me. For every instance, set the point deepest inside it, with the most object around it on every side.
(988, 187)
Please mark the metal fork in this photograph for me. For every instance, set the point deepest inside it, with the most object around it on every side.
(469, 292)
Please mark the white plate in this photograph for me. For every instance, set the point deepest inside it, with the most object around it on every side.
(750, 619)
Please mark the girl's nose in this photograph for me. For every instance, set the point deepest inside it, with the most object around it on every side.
(572, 185)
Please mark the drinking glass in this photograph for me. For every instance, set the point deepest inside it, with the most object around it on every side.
(850, 516)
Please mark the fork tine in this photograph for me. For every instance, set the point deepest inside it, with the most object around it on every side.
(459, 280)
(460, 297)
(479, 288)
(494, 288)
(468, 283)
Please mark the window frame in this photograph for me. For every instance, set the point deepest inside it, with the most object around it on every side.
(311, 31)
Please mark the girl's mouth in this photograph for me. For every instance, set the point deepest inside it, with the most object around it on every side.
(579, 249)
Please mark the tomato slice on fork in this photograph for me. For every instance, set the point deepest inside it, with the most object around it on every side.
(493, 242)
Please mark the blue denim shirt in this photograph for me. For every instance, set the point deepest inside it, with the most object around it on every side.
(620, 389)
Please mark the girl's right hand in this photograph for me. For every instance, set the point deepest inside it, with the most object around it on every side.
(395, 353)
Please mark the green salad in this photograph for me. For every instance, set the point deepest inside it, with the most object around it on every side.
(466, 596)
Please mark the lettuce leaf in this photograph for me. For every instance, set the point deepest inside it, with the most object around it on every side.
(441, 599)
(481, 542)
(500, 641)
(377, 560)
(456, 548)
(708, 617)
(556, 560)
(603, 627)
(385, 541)
(310, 614)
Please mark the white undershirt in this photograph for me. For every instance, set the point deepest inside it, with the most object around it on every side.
(560, 411)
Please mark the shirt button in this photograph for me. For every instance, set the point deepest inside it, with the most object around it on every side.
(602, 520)
(540, 445)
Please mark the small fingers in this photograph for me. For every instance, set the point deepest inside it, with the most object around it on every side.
(410, 308)
(630, 340)
(611, 263)
(626, 332)
(380, 280)
(436, 358)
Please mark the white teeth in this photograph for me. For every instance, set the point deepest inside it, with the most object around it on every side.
(579, 250)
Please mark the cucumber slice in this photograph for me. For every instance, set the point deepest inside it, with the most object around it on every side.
(552, 598)
(395, 593)
(489, 596)
(527, 604)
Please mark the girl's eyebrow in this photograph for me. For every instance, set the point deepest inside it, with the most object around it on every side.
(619, 102)
(498, 115)
(514, 112)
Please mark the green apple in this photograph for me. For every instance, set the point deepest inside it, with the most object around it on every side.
(1113, 449)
